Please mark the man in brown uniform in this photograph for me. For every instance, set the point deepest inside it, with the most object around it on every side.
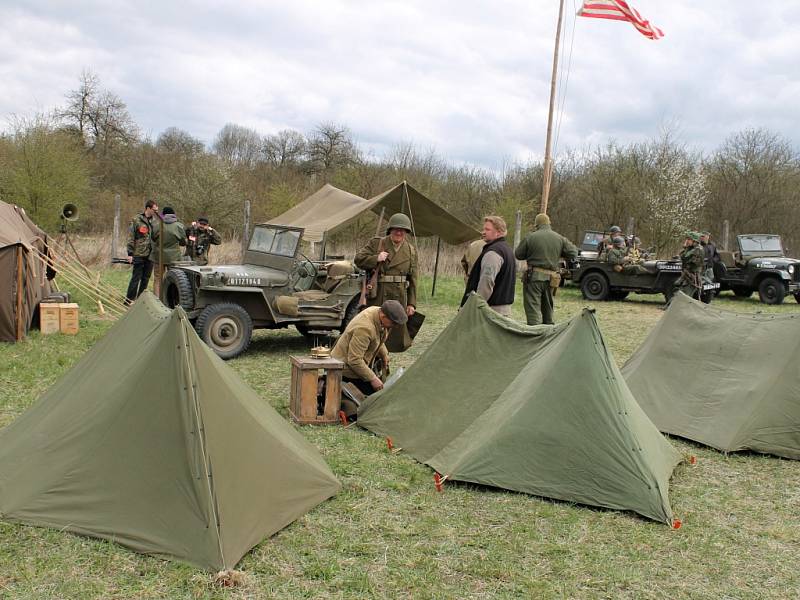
(397, 266)
(363, 340)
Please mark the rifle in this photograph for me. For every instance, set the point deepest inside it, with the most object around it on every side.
(371, 288)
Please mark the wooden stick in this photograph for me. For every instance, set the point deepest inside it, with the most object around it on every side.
(548, 160)
(20, 324)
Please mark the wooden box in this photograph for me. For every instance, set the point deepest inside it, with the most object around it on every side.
(69, 318)
(308, 374)
(49, 318)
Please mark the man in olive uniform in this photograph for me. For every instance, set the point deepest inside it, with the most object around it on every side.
(139, 247)
(542, 249)
(493, 277)
(692, 261)
(199, 238)
(363, 340)
(174, 238)
(608, 241)
(622, 263)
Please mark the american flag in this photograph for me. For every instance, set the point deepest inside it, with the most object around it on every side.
(619, 10)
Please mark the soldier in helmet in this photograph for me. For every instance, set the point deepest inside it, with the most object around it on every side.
(621, 261)
(692, 261)
(608, 240)
(396, 262)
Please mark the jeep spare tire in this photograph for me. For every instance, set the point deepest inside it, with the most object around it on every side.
(594, 286)
(177, 290)
(226, 328)
(771, 291)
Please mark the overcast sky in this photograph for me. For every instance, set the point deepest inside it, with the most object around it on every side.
(469, 79)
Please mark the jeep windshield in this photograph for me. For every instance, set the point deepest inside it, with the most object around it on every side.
(758, 244)
(272, 240)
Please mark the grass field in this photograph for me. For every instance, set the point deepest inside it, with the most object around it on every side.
(389, 534)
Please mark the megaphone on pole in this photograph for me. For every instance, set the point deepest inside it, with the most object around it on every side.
(69, 212)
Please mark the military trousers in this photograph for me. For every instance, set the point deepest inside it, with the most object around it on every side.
(140, 277)
(537, 299)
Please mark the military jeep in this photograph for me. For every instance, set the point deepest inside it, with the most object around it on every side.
(598, 280)
(276, 286)
(760, 265)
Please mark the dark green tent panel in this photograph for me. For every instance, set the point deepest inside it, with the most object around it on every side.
(542, 410)
(728, 380)
(152, 441)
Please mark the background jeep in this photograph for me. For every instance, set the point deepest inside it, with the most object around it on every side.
(598, 280)
(760, 264)
(276, 286)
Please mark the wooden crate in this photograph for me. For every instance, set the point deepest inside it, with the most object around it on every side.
(306, 373)
(69, 315)
(49, 318)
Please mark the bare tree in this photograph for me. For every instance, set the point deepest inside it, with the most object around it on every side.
(284, 149)
(331, 146)
(238, 145)
(178, 141)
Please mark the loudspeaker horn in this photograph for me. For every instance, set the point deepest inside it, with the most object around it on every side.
(69, 212)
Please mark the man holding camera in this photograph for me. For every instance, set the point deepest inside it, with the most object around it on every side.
(199, 238)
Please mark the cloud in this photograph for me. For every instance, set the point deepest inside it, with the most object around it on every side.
(470, 79)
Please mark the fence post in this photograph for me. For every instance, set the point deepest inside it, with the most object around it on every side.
(115, 234)
(726, 233)
(246, 228)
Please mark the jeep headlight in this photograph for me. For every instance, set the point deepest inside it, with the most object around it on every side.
(791, 269)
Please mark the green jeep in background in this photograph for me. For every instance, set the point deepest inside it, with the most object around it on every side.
(760, 265)
(276, 286)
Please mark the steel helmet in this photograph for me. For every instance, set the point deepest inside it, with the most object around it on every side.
(399, 221)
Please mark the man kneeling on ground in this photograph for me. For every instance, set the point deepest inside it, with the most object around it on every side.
(363, 340)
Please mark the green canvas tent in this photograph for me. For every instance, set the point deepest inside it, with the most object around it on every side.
(542, 410)
(152, 441)
(724, 379)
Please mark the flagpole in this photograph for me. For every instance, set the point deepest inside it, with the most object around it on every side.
(548, 159)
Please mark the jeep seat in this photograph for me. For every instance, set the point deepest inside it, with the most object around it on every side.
(336, 272)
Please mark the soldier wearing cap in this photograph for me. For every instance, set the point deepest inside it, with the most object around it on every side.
(620, 260)
(542, 250)
(174, 237)
(396, 261)
(692, 260)
(364, 339)
(199, 238)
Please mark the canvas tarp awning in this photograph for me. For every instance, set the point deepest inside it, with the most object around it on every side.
(22, 271)
(728, 380)
(152, 441)
(542, 410)
(330, 209)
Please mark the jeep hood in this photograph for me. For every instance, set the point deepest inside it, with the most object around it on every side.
(245, 275)
(771, 262)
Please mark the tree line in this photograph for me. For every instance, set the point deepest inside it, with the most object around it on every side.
(91, 148)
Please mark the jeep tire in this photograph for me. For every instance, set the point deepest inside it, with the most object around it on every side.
(177, 290)
(771, 291)
(226, 328)
(594, 286)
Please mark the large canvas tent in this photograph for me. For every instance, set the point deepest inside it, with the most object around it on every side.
(22, 271)
(152, 441)
(330, 209)
(542, 410)
(728, 380)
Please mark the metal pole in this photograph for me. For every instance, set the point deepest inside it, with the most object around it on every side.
(115, 232)
(246, 228)
(436, 265)
(548, 160)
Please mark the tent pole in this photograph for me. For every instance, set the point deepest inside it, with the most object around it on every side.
(436, 265)
(20, 326)
(322, 245)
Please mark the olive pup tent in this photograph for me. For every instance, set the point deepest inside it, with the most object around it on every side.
(542, 410)
(724, 379)
(152, 441)
(23, 275)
